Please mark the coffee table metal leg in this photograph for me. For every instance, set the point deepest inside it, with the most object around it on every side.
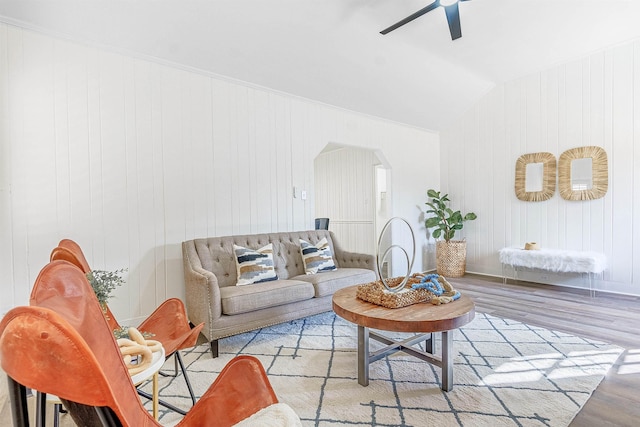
(447, 360)
(363, 355)
(429, 344)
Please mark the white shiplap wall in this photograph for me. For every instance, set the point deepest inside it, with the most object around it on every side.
(591, 101)
(130, 158)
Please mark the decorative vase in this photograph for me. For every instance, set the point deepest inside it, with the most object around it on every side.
(451, 257)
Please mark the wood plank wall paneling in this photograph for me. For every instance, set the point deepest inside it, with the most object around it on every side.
(590, 101)
(635, 272)
(6, 170)
(130, 158)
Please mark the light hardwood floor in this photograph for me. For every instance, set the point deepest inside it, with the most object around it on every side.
(606, 317)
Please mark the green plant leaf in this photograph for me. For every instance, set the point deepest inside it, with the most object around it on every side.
(432, 222)
(445, 221)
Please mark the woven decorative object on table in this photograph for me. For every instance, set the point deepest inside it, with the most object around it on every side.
(451, 258)
(375, 292)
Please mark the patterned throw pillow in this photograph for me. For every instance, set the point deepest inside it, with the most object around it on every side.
(317, 258)
(254, 266)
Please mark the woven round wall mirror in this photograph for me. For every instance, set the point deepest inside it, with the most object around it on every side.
(583, 173)
(544, 175)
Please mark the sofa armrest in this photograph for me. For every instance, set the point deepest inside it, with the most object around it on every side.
(356, 260)
(202, 293)
(347, 259)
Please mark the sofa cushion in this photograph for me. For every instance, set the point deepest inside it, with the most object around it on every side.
(317, 258)
(254, 266)
(329, 282)
(243, 299)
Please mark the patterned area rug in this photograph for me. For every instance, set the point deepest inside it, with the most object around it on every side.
(506, 373)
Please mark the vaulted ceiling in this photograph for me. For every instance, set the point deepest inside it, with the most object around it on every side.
(332, 50)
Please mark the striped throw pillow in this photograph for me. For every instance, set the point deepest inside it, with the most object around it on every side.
(254, 266)
(317, 258)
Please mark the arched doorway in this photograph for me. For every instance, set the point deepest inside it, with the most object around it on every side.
(352, 189)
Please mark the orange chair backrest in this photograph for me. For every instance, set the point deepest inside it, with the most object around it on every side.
(63, 288)
(70, 251)
(170, 325)
(39, 349)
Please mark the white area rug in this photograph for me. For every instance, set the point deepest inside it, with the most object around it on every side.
(506, 374)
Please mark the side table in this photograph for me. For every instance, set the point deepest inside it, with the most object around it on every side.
(151, 371)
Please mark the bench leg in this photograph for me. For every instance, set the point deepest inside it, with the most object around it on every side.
(592, 291)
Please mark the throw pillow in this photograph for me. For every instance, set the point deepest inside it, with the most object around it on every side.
(254, 266)
(317, 258)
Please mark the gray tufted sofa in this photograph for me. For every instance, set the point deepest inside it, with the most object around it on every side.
(226, 309)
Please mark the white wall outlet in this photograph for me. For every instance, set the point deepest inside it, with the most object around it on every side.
(303, 194)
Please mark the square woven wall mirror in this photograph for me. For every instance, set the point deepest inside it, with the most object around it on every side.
(583, 173)
(547, 180)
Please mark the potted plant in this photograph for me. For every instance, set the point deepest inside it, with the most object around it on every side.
(451, 255)
(103, 283)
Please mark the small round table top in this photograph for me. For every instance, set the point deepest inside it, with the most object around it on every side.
(421, 317)
(156, 363)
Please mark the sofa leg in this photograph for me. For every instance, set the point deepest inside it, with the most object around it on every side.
(214, 348)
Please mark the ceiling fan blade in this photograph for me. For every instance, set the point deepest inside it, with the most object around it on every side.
(411, 17)
(453, 18)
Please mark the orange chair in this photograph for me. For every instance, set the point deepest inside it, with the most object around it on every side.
(62, 345)
(169, 322)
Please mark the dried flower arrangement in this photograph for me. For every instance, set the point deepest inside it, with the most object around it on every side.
(104, 282)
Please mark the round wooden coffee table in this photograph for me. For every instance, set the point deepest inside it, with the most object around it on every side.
(423, 319)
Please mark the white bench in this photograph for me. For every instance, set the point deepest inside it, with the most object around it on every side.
(554, 260)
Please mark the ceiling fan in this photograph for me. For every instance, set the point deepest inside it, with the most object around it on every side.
(450, 8)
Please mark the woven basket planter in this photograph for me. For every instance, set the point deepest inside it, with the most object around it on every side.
(451, 257)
